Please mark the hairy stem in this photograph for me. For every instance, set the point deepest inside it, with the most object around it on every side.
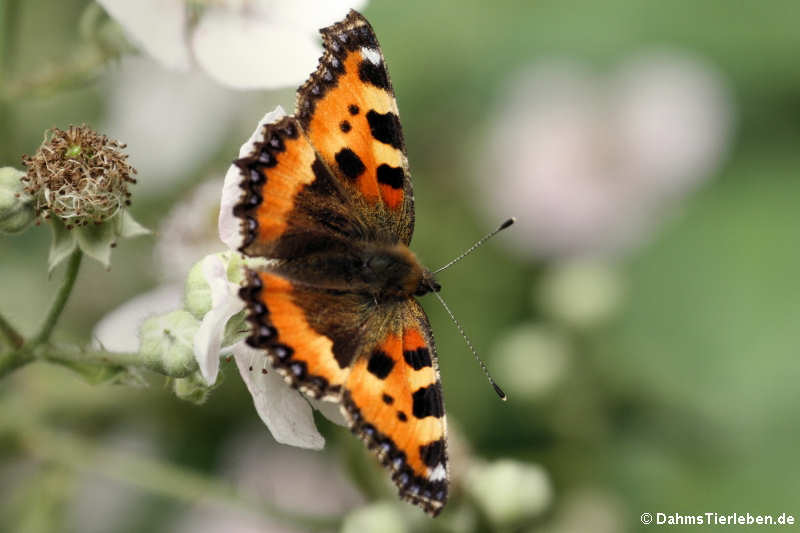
(11, 334)
(26, 353)
(62, 355)
(62, 296)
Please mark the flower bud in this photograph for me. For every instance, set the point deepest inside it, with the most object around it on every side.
(16, 206)
(509, 492)
(166, 341)
(382, 516)
(192, 388)
(531, 360)
(197, 295)
(581, 294)
(78, 176)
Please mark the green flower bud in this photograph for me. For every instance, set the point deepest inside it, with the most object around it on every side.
(384, 517)
(581, 294)
(193, 388)
(197, 292)
(167, 341)
(509, 492)
(197, 296)
(16, 205)
(531, 360)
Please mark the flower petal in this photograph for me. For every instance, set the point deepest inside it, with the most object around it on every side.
(330, 410)
(243, 50)
(284, 410)
(156, 26)
(225, 304)
(229, 230)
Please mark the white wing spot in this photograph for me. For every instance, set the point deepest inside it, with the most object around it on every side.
(438, 473)
(372, 55)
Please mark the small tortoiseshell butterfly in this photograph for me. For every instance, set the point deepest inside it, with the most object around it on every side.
(327, 194)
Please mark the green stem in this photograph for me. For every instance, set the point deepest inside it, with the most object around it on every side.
(25, 354)
(153, 476)
(61, 355)
(11, 334)
(62, 296)
(11, 361)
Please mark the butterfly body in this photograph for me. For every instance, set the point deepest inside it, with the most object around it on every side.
(327, 197)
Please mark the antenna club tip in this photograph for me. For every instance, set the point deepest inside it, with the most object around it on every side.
(500, 392)
(507, 223)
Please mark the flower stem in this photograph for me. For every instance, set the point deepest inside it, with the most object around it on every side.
(62, 296)
(62, 355)
(11, 334)
(151, 475)
(26, 353)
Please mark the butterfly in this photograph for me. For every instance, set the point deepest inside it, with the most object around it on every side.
(327, 196)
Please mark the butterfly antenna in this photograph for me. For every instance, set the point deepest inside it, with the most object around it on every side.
(485, 370)
(472, 248)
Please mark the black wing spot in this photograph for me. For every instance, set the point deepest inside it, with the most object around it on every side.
(388, 399)
(432, 453)
(353, 109)
(345, 126)
(427, 401)
(369, 72)
(419, 358)
(391, 176)
(401, 416)
(385, 127)
(349, 163)
(380, 364)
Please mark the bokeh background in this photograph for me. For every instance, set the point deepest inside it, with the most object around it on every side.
(642, 315)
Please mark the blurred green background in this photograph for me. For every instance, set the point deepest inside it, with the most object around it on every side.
(680, 397)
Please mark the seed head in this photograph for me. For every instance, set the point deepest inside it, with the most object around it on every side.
(78, 176)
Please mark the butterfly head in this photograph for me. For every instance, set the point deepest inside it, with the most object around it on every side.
(427, 284)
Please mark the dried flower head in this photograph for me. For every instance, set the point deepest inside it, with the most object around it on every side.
(78, 176)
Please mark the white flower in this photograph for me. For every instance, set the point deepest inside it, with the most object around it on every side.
(225, 303)
(244, 44)
(588, 163)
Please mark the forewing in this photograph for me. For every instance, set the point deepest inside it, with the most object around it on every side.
(288, 193)
(348, 110)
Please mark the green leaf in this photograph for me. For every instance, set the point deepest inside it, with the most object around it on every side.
(95, 240)
(128, 227)
(62, 246)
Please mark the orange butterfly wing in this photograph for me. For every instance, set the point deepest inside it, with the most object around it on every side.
(393, 399)
(348, 110)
